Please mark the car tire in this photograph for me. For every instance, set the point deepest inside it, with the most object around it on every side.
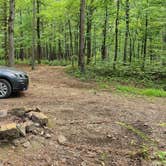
(5, 89)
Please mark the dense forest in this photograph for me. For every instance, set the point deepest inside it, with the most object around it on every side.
(125, 37)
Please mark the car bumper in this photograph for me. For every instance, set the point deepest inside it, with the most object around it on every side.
(21, 85)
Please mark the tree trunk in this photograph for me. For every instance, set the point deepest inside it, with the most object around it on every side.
(21, 53)
(5, 44)
(81, 61)
(33, 35)
(11, 32)
(145, 41)
(71, 38)
(38, 33)
(104, 47)
(116, 34)
(127, 31)
(131, 51)
(89, 31)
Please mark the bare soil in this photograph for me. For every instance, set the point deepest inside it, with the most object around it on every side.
(90, 120)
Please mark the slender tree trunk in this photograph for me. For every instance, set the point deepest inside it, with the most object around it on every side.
(5, 26)
(60, 50)
(94, 41)
(38, 33)
(104, 47)
(116, 34)
(76, 42)
(11, 32)
(131, 51)
(150, 49)
(89, 31)
(127, 31)
(81, 61)
(33, 35)
(145, 41)
(21, 53)
(138, 50)
(71, 38)
(89, 45)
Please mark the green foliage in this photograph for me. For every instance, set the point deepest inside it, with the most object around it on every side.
(128, 79)
(161, 155)
(146, 92)
(162, 124)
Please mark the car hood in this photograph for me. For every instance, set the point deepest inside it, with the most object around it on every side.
(11, 70)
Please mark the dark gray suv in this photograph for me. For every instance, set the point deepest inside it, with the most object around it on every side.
(12, 80)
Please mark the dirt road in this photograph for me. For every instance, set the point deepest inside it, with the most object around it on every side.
(94, 123)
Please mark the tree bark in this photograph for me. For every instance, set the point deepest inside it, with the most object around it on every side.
(89, 31)
(38, 33)
(145, 41)
(11, 32)
(33, 35)
(21, 53)
(81, 61)
(116, 34)
(104, 47)
(71, 38)
(5, 25)
(127, 31)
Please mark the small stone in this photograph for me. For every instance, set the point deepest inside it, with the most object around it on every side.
(42, 133)
(15, 142)
(83, 163)
(22, 129)
(37, 124)
(29, 126)
(62, 139)
(47, 136)
(3, 114)
(26, 144)
(36, 109)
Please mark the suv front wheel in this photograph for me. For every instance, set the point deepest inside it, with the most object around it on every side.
(5, 89)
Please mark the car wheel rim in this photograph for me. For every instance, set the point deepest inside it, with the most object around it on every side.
(3, 89)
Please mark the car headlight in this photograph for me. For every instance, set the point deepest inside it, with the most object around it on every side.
(20, 76)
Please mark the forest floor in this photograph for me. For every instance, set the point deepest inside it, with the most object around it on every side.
(101, 127)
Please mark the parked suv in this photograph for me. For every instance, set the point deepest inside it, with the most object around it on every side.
(12, 80)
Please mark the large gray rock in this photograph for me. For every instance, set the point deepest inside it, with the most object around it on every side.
(38, 117)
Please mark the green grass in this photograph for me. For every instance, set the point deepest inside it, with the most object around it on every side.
(128, 86)
(161, 155)
(162, 124)
(136, 131)
(138, 91)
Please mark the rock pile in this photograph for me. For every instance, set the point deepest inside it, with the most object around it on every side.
(21, 121)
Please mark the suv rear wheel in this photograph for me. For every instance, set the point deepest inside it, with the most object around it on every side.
(5, 89)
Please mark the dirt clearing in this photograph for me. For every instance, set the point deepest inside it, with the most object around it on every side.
(101, 128)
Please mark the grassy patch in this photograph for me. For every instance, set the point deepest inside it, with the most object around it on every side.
(134, 130)
(126, 79)
(162, 124)
(161, 156)
(138, 91)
